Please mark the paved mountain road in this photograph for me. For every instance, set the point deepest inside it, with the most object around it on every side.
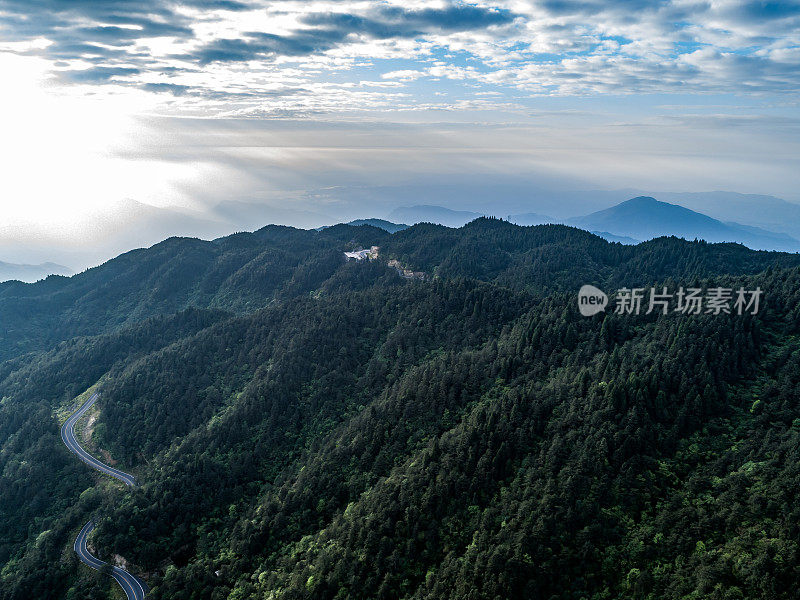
(68, 437)
(134, 588)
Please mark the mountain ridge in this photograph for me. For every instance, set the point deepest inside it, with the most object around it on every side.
(644, 217)
(30, 273)
(429, 213)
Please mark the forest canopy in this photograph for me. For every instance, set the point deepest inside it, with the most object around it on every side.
(303, 426)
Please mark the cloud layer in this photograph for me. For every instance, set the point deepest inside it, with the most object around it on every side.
(284, 57)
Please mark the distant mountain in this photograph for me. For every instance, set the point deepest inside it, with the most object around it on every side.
(622, 239)
(646, 218)
(440, 215)
(387, 226)
(380, 224)
(30, 273)
(757, 210)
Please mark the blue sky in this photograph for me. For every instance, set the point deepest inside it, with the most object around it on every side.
(303, 106)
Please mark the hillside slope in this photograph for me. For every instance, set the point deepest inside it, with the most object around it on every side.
(339, 431)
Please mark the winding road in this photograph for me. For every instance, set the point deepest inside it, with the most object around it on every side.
(68, 437)
(133, 587)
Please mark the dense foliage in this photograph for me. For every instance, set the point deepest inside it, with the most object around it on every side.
(305, 427)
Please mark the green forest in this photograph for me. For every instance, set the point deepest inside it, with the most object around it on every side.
(306, 427)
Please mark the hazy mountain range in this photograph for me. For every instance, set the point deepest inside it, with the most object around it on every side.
(433, 214)
(760, 222)
(31, 273)
(502, 197)
(644, 218)
(379, 223)
(632, 221)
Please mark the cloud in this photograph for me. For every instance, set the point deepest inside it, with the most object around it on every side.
(394, 21)
(171, 88)
(328, 30)
(404, 75)
(135, 29)
(99, 74)
(266, 45)
(210, 50)
(232, 5)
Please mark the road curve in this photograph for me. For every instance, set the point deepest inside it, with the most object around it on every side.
(133, 587)
(68, 437)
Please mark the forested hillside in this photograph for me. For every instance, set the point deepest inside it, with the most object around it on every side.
(307, 427)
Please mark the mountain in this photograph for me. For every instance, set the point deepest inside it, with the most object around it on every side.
(125, 225)
(380, 224)
(30, 273)
(616, 238)
(537, 219)
(646, 218)
(237, 273)
(758, 210)
(305, 427)
(432, 214)
(387, 226)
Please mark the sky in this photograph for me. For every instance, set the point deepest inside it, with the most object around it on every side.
(125, 121)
